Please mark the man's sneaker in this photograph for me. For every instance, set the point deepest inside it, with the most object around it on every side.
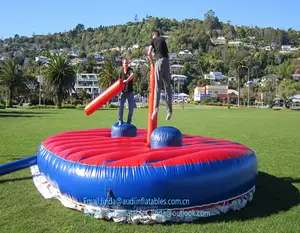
(169, 115)
(154, 113)
(120, 122)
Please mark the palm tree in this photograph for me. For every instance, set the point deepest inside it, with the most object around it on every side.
(60, 77)
(11, 76)
(236, 63)
(107, 75)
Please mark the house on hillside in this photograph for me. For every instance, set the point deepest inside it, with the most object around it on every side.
(287, 49)
(77, 60)
(4, 58)
(214, 76)
(175, 68)
(235, 43)
(184, 52)
(296, 75)
(98, 56)
(41, 59)
(219, 41)
(138, 63)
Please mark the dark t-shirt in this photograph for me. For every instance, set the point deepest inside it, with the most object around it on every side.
(160, 47)
(129, 85)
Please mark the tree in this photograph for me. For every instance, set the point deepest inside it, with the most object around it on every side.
(211, 21)
(60, 77)
(236, 63)
(82, 54)
(141, 78)
(31, 87)
(11, 76)
(284, 70)
(268, 88)
(108, 75)
(286, 89)
(83, 95)
(79, 27)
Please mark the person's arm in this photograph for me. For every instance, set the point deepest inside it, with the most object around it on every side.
(150, 55)
(129, 78)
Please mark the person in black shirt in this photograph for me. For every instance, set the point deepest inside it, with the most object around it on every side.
(162, 72)
(126, 74)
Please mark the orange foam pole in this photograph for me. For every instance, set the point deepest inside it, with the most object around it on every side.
(104, 97)
(152, 124)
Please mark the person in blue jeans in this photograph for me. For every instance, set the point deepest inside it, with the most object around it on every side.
(127, 75)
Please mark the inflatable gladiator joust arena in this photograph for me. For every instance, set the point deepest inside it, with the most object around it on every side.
(131, 175)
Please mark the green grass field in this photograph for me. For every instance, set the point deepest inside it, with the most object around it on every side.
(273, 135)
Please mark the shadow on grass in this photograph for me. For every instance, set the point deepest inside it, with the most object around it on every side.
(272, 196)
(17, 116)
(22, 113)
(15, 179)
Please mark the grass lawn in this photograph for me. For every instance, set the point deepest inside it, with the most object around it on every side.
(273, 135)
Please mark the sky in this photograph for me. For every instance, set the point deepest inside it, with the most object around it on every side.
(23, 17)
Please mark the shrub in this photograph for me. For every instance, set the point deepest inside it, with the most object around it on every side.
(80, 106)
(112, 105)
(68, 106)
(41, 107)
(194, 102)
(2, 106)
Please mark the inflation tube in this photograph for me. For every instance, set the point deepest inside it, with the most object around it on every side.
(152, 124)
(104, 97)
(17, 165)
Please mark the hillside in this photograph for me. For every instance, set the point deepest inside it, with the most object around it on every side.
(192, 34)
(213, 46)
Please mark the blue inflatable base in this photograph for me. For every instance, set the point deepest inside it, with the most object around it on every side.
(165, 136)
(203, 171)
(123, 130)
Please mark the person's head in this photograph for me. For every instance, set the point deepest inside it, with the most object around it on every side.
(155, 33)
(125, 62)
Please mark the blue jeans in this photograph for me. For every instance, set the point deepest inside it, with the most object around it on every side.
(131, 105)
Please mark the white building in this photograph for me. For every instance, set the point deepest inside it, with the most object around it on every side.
(136, 46)
(296, 77)
(287, 48)
(41, 59)
(76, 61)
(4, 58)
(184, 52)
(219, 41)
(214, 76)
(209, 91)
(98, 56)
(235, 43)
(138, 62)
(179, 80)
(176, 68)
(88, 82)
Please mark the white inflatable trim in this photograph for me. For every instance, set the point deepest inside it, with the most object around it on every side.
(157, 216)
